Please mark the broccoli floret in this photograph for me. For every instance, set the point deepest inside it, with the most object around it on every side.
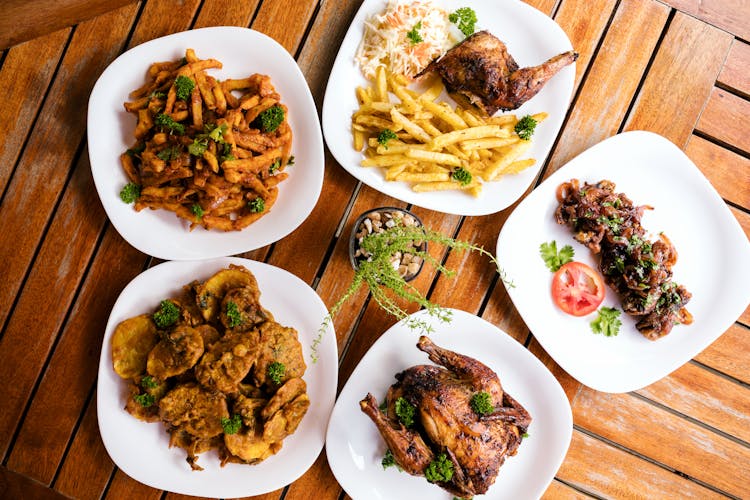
(525, 127)
(130, 192)
(271, 118)
(183, 87)
(481, 403)
(440, 470)
(257, 205)
(461, 175)
(167, 314)
(464, 18)
(276, 372)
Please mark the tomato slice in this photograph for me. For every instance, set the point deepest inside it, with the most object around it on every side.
(577, 289)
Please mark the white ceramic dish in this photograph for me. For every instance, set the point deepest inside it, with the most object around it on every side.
(509, 20)
(355, 448)
(713, 262)
(142, 450)
(161, 233)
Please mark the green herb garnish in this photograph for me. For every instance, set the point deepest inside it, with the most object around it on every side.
(144, 400)
(136, 150)
(130, 192)
(386, 135)
(183, 87)
(405, 412)
(481, 403)
(413, 35)
(461, 175)
(464, 18)
(148, 382)
(276, 372)
(197, 210)
(271, 118)
(216, 132)
(440, 470)
(231, 425)
(390, 461)
(198, 147)
(234, 316)
(167, 122)
(607, 322)
(169, 153)
(525, 127)
(553, 259)
(167, 314)
(257, 205)
(275, 166)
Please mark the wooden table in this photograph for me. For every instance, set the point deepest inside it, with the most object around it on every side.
(675, 67)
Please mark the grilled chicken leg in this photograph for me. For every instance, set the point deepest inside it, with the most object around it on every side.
(481, 70)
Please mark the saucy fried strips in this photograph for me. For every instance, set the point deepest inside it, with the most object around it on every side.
(211, 152)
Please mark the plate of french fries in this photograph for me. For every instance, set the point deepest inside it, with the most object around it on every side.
(233, 164)
(437, 152)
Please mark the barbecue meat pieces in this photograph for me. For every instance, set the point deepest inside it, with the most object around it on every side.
(445, 422)
(481, 70)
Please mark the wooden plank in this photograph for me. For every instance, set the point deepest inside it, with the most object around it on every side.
(601, 469)
(285, 21)
(24, 85)
(221, 13)
(317, 483)
(734, 74)
(570, 385)
(34, 190)
(14, 485)
(124, 486)
(730, 15)
(612, 80)
(87, 458)
(63, 260)
(723, 354)
(561, 491)
(666, 438)
(163, 17)
(709, 398)
(726, 119)
(727, 171)
(681, 78)
(26, 19)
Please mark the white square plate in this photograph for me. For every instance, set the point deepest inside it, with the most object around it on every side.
(512, 22)
(141, 449)
(713, 262)
(354, 445)
(242, 52)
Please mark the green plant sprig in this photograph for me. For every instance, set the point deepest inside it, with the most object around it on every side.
(385, 283)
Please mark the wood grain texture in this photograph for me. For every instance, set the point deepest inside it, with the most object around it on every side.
(706, 397)
(41, 17)
(124, 486)
(612, 80)
(25, 86)
(734, 74)
(596, 467)
(731, 15)
(561, 491)
(285, 21)
(725, 119)
(216, 12)
(722, 354)
(163, 17)
(680, 79)
(727, 171)
(570, 385)
(15, 485)
(666, 438)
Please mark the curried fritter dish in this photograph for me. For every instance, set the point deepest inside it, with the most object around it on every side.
(481, 70)
(216, 369)
(639, 270)
(451, 423)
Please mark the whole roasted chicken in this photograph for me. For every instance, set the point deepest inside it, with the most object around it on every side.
(482, 70)
(449, 430)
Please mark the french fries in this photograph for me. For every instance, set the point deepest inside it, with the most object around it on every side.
(415, 138)
(212, 152)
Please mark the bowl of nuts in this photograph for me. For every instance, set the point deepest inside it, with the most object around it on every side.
(406, 260)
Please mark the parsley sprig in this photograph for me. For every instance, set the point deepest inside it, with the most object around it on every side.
(607, 322)
(553, 258)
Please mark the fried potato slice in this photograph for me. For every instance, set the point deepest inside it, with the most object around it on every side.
(210, 293)
(132, 340)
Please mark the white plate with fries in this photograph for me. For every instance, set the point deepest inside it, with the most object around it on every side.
(713, 262)
(355, 448)
(242, 52)
(141, 449)
(532, 38)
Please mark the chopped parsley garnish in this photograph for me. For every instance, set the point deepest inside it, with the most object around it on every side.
(183, 87)
(613, 223)
(231, 425)
(167, 314)
(525, 435)
(144, 400)
(257, 205)
(390, 461)
(167, 122)
(525, 127)
(386, 135)
(276, 372)
(413, 35)
(148, 382)
(136, 150)
(465, 19)
(198, 147)
(226, 153)
(481, 403)
(157, 94)
(553, 259)
(271, 118)
(275, 166)
(197, 210)
(130, 192)
(608, 322)
(440, 470)
(234, 316)
(216, 133)
(405, 412)
(168, 153)
(461, 175)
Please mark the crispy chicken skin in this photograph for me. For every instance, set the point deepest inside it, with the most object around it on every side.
(481, 70)
(445, 422)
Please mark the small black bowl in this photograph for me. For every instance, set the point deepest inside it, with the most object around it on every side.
(360, 225)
